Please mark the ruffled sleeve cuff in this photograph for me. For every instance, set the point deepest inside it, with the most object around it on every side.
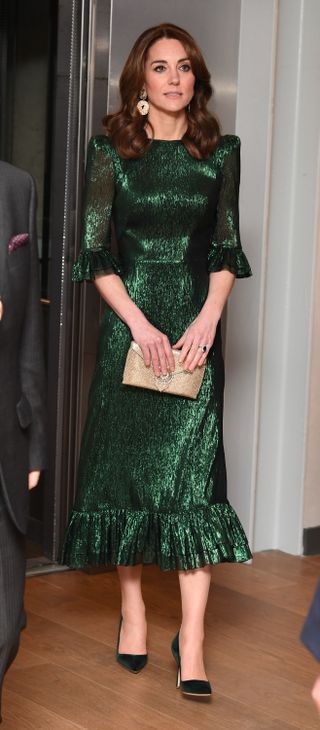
(229, 259)
(93, 263)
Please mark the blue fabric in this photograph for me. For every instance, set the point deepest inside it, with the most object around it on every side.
(310, 634)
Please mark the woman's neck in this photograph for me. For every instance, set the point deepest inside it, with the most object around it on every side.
(166, 127)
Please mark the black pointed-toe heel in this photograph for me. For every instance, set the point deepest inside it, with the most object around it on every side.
(190, 687)
(133, 662)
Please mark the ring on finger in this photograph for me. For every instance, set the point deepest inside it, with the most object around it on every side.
(203, 348)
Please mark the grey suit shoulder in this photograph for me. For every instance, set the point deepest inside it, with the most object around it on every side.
(14, 181)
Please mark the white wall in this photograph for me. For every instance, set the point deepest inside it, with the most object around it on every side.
(269, 330)
(311, 516)
(245, 310)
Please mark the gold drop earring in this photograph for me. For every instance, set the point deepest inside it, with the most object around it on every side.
(143, 105)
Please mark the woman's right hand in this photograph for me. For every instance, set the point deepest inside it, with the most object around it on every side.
(154, 344)
(155, 347)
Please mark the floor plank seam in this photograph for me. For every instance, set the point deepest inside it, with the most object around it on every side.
(263, 711)
(66, 626)
(48, 710)
(94, 682)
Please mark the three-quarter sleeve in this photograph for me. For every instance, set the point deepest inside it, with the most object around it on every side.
(225, 252)
(95, 257)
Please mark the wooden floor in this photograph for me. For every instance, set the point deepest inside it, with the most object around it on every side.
(66, 676)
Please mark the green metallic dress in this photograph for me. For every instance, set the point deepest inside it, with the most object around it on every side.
(152, 474)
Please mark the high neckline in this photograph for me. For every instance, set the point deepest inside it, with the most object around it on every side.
(166, 140)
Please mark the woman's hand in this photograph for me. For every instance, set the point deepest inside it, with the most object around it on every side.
(33, 479)
(155, 346)
(200, 333)
(316, 693)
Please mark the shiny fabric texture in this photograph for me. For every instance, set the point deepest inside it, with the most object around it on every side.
(152, 474)
(179, 382)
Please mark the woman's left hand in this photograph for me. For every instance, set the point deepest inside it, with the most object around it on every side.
(33, 479)
(200, 333)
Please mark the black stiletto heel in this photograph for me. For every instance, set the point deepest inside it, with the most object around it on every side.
(133, 662)
(191, 687)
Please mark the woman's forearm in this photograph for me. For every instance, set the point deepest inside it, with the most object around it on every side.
(198, 338)
(220, 285)
(114, 293)
(154, 344)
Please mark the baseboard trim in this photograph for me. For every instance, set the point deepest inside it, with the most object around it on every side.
(311, 541)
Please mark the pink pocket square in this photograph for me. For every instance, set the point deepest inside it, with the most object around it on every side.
(21, 239)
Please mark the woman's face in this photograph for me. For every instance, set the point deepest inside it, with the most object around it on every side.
(169, 80)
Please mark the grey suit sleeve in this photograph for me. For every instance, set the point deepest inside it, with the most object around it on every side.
(32, 372)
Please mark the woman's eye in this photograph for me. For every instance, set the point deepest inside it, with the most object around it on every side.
(161, 68)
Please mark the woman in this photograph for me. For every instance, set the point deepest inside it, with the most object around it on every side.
(152, 478)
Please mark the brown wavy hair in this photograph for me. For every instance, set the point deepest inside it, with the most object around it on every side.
(126, 128)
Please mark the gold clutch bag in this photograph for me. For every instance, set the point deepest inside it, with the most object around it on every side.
(180, 382)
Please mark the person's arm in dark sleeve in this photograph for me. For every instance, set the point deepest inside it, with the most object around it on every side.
(310, 634)
(32, 372)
